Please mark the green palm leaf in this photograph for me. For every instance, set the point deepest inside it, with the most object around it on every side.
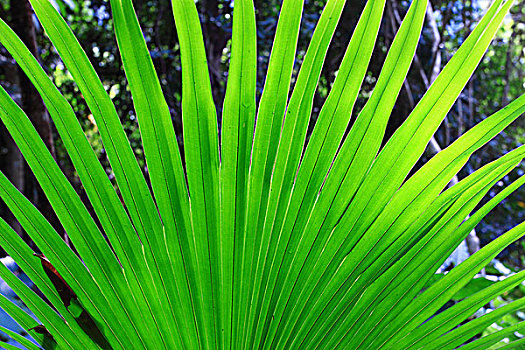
(255, 244)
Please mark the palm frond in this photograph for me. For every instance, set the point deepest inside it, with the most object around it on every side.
(264, 237)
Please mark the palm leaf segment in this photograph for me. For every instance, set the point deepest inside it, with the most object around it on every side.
(256, 244)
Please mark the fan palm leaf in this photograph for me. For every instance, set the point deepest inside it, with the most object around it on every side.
(265, 237)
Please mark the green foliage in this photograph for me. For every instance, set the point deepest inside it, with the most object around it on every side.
(265, 239)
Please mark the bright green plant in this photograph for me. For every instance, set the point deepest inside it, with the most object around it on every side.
(253, 243)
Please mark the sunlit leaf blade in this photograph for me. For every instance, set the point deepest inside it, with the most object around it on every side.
(396, 287)
(399, 154)
(516, 344)
(388, 234)
(396, 66)
(346, 227)
(112, 217)
(320, 151)
(433, 213)
(51, 244)
(28, 344)
(461, 334)
(396, 216)
(293, 134)
(238, 120)
(132, 184)
(372, 272)
(451, 317)
(27, 323)
(463, 274)
(439, 293)
(10, 346)
(487, 341)
(18, 250)
(98, 187)
(74, 216)
(201, 151)
(273, 238)
(418, 313)
(383, 289)
(60, 331)
(272, 109)
(165, 172)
